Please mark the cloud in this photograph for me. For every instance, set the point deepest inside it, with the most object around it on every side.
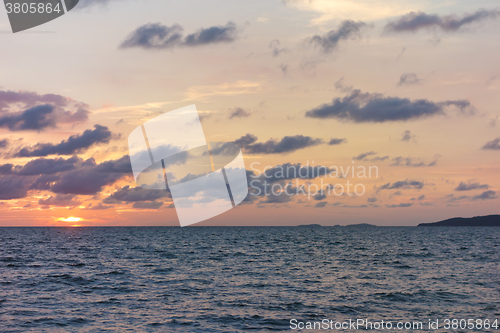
(250, 145)
(284, 68)
(239, 113)
(74, 144)
(288, 171)
(36, 118)
(212, 35)
(282, 174)
(73, 176)
(14, 187)
(88, 179)
(401, 205)
(411, 162)
(471, 186)
(286, 145)
(341, 86)
(415, 21)
(362, 107)
(154, 36)
(334, 141)
(4, 143)
(60, 200)
(492, 145)
(486, 195)
(363, 156)
(408, 79)
(402, 184)
(348, 29)
(407, 136)
(136, 194)
(21, 111)
(321, 204)
(276, 51)
(43, 166)
(320, 196)
(100, 206)
(158, 36)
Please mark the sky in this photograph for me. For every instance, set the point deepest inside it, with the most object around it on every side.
(407, 88)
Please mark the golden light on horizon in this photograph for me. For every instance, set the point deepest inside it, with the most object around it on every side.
(70, 219)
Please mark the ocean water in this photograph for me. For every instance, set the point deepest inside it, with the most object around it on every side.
(242, 279)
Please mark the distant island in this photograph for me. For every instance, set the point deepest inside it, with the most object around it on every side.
(309, 225)
(476, 221)
(361, 225)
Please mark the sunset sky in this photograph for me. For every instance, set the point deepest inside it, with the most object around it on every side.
(411, 87)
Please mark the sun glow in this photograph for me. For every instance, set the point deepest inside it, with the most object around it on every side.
(70, 219)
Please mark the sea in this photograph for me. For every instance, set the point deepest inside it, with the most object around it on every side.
(247, 279)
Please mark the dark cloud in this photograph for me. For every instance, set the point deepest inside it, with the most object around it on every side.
(6, 169)
(30, 111)
(372, 200)
(492, 145)
(471, 186)
(212, 35)
(36, 118)
(335, 141)
(402, 184)
(44, 166)
(363, 156)
(61, 176)
(486, 195)
(411, 162)
(88, 179)
(74, 144)
(408, 79)
(239, 113)
(4, 143)
(60, 200)
(136, 194)
(321, 204)
(154, 36)
(347, 30)
(362, 107)
(415, 21)
(320, 196)
(286, 145)
(14, 187)
(159, 36)
(250, 145)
